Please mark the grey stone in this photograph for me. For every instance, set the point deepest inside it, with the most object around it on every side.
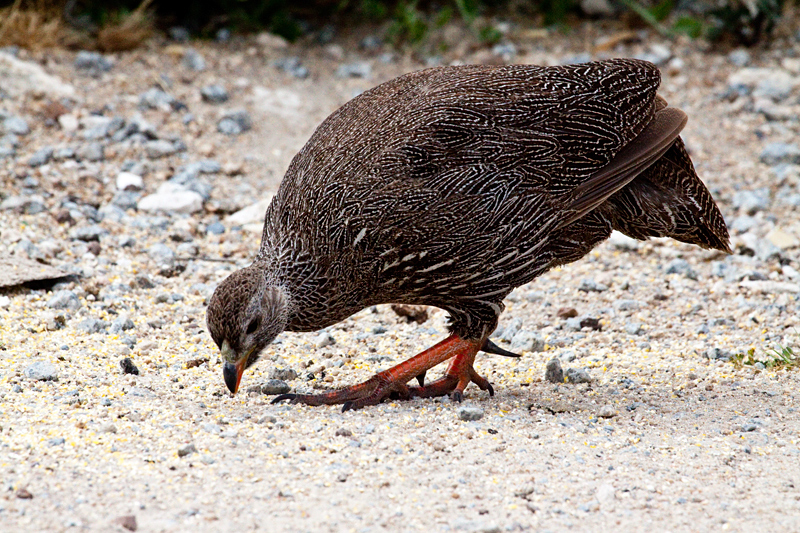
(468, 414)
(88, 233)
(56, 441)
(572, 324)
(126, 199)
(589, 285)
(553, 371)
(234, 122)
(64, 300)
(91, 152)
(215, 228)
(159, 148)
(626, 305)
(188, 449)
(275, 386)
(717, 353)
(766, 251)
(223, 35)
(64, 152)
(743, 224)
(774, 84)
(505, 50)
(179, 34)
(776, 153)
(121, 323)
(681, 266)
(187, 249)
(739, 57)
(282, 374)
(27, 204)
(324, 339)
(598, 8)
(16, 125)
(215, 94)
(161, 253)
(41, 156)
(634, 328)
(92, 325)
(578, 375)
(527, 341)
(607, 411)
(752, 201)
(101, 127)
(511, 329)
(193, 60)
(359, 69)
(41, 371)
(156, 98)
(92, 62)
(292, 66)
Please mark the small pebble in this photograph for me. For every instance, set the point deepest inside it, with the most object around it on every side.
(567, 312)
(275, 386)
(127, 522)
(578, 375)
(282, 374)
(41, 371)
(470, 413)
(187, 449)
(553, 371)
(215, 94)
(607, 411)
(128, 367)
(234, 122)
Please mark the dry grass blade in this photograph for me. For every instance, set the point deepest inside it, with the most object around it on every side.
(35, 25)
(127, 32)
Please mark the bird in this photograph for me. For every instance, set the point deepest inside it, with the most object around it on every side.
(450, 187)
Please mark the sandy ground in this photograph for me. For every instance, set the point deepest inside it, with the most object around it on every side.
(669, 435)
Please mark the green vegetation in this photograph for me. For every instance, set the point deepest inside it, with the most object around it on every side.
(782, 357)
(406, 22)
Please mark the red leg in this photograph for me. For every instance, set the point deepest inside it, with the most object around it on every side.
(392, 382)
(458, 375)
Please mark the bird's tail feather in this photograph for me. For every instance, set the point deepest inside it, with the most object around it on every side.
(669, 200)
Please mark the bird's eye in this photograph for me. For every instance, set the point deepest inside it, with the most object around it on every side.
(252, 326)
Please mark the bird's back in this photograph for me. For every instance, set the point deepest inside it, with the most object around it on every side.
(449, 186)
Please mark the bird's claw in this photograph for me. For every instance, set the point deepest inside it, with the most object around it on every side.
(371, 392)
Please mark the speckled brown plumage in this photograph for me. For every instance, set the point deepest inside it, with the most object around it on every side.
(452, 186)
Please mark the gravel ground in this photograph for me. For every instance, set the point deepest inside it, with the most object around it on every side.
(130, 171)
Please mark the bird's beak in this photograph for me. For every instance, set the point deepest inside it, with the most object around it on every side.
(232, 372)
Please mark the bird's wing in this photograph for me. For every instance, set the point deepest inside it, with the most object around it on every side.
(644, 150)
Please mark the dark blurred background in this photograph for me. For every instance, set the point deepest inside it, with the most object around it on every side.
(112, 25)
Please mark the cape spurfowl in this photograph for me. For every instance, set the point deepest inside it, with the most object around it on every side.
(450, 187)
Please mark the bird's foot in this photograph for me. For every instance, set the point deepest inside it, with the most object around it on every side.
(458, 375)
(371, 392)
(391, 383)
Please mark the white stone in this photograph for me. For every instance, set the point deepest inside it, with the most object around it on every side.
(18, 77)
(270, 40)
(171, 198)
(620, 241)
(279, 101)
(770, 287)
(128, 181)
(782, 239)
(251, 214)
(68, 122)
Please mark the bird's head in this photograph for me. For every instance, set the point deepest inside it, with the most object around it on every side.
(244, 315)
